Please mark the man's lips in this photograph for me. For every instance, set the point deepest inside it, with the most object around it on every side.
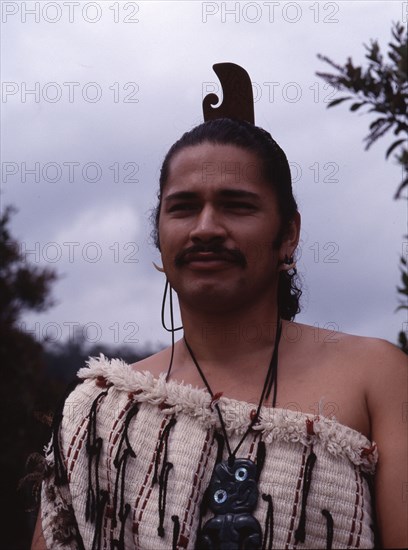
(208, 257)
(201, 256)
(208, 262)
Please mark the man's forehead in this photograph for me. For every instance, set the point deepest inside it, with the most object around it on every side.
(224, 166)
(223, 192)
(220, 155)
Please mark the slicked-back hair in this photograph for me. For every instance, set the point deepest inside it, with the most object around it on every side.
(275, 171)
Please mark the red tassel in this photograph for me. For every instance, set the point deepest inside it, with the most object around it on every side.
(101, 382)
(366, 451)
(309, 427)
(216, 398)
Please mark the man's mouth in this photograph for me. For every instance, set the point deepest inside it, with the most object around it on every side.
(209, 257)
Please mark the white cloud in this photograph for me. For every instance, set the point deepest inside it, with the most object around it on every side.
(111, 223)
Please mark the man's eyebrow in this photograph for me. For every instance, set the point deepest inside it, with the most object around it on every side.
(181, 195)
(224, 193)
(239, 194)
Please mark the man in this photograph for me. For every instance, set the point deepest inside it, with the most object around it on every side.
(184, 449)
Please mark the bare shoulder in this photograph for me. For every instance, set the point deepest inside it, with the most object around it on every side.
(372, 349)
(378, 358)
(359, 351)
(373, 368)
(386, 368)
(383, 370)
(156, 363)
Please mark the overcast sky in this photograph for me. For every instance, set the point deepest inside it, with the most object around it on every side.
(94, 93)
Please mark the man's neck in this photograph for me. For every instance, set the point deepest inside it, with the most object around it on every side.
(234, 338)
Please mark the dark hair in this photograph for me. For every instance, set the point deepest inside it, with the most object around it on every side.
(276, 171)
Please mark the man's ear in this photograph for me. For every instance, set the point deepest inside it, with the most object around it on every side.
(291, 237)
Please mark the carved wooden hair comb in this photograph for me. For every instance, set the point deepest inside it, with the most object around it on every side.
(238, 100)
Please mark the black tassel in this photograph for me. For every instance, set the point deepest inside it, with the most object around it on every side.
(268, 531)
(329, 522)
(100, 507)
(260, 459)
(176, 531)
(93, 447)
(59, 466)
(120, 481)
(120, 462)
(125, 435)
(120, 543)
(162, 442)
(300, 533)
(164, 476)
(164, 473)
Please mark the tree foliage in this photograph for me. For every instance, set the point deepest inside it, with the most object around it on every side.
(23, 384)
(382, 87)
(22, 286)
(63, 359)
(34, 375)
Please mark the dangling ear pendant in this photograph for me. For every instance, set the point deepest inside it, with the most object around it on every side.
(287, 264)
(158, 267)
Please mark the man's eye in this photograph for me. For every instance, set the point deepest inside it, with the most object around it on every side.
(182, 206)
(240, 205)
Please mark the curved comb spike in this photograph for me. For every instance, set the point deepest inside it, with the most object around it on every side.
(238, 100)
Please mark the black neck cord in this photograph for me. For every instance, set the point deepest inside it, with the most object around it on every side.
(270, 379)
(171, 329)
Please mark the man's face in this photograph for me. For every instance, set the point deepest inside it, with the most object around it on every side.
(219, 223)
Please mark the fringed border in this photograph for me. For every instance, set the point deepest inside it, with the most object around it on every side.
(274, 424)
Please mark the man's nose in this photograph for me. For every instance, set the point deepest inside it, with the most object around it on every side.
(208, 225)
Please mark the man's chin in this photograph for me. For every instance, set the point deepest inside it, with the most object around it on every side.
(210, 297)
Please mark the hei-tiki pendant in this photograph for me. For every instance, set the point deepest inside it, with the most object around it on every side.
(232, 495)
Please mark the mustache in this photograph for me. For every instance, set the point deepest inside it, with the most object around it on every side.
(233, 255)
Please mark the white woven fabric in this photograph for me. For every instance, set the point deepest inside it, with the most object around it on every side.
(338, 485)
